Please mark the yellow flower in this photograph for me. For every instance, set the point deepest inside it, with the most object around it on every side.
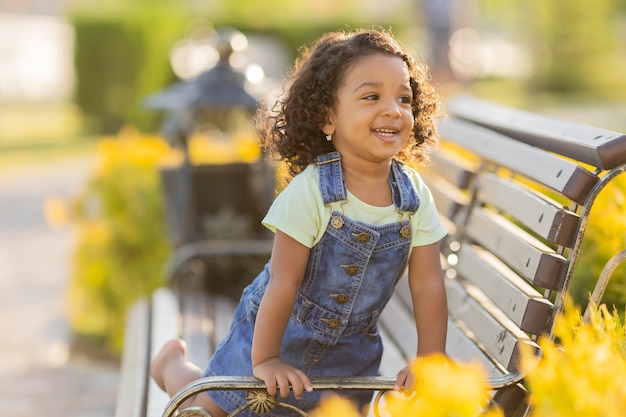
(444, 388)
(335, 406)
(216, 147)
(587, 368)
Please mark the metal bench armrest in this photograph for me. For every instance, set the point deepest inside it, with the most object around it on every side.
(375, 383)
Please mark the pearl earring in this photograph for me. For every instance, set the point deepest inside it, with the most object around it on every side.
(329, 137)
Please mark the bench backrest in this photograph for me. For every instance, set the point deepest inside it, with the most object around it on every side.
(515, 190)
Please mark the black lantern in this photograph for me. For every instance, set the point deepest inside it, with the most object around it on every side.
(219, 91)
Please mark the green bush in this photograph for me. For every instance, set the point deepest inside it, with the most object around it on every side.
(577, 47)
(601, 243)
(119, 60)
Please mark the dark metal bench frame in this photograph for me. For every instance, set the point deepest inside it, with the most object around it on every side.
(515, 190)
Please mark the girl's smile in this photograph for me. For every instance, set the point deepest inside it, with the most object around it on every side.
(387, 134)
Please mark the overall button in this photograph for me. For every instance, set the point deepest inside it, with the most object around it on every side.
(336, 222)
(332, 324)
(340, 298)
(405, 232)
(351, 269)
(362, 237)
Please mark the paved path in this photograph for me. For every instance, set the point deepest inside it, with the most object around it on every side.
(38, 376)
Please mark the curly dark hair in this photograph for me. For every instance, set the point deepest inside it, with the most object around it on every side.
(292, 129)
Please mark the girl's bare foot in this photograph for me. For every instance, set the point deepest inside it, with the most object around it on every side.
(174, 350)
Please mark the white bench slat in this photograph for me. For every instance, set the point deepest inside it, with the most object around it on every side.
(223, 312)
(449, 200)
(458, 344)
(524, 305)
(393, 358)
(533, 260)
(135, 360)
(499, 338)
(546, 218)
(599, 147)
(197, 324)
(454, 168)
(399, 325)
(550, 170)
(463, 349)
(165, 326)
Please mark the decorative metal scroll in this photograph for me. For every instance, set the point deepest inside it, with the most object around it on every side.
(260, 402)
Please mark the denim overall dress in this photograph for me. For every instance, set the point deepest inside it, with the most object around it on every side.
(349, 278)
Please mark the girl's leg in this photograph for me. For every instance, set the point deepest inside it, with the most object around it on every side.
(171, 371)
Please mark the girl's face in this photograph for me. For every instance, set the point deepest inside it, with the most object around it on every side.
(372, 118)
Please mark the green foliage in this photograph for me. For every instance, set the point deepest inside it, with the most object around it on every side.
(583, 374)
(601, 242)
(122, 47)
(576, 46)
(120, 59)
(122, 246)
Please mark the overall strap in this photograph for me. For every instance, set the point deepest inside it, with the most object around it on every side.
(332, 186)
(403, 189)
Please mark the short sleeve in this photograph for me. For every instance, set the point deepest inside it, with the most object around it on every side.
(426, 223)
(297, 211)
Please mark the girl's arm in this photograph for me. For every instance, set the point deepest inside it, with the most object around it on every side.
(289, 259)
(429, 305)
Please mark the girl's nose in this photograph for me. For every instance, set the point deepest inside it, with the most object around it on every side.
(392, 109)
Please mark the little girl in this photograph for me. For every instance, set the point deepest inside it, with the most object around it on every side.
(351, 220)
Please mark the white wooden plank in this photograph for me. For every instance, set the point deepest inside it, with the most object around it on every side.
(596, 146)
(461, 348)
(563, 176)
(165, 320)
(545, 217)
(498, 335)
(393, 358)
(223, 312)
(197, 325)
(399, 325)
(132, 386)
(524, 305)
(529, 257)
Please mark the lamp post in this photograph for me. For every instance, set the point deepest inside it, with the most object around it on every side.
(211, 202)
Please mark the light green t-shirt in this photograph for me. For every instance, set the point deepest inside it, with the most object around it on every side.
(299, 211)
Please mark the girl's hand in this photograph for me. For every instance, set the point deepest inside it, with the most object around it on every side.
(276, 373)
(405, 381)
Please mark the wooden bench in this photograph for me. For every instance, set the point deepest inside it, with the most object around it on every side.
(515, 190)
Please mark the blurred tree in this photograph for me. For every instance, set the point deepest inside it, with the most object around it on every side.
(119, 59)
(575, 45)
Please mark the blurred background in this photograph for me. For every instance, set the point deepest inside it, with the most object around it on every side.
(89, 114)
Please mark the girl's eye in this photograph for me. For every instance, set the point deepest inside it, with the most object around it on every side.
(371, 97)
(405, 100)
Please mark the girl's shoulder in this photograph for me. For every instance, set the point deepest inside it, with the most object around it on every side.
(310, 173)
(304, 186)
(306, 180)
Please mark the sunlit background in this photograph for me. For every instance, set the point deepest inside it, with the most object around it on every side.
(508, 50)
(75, 76)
